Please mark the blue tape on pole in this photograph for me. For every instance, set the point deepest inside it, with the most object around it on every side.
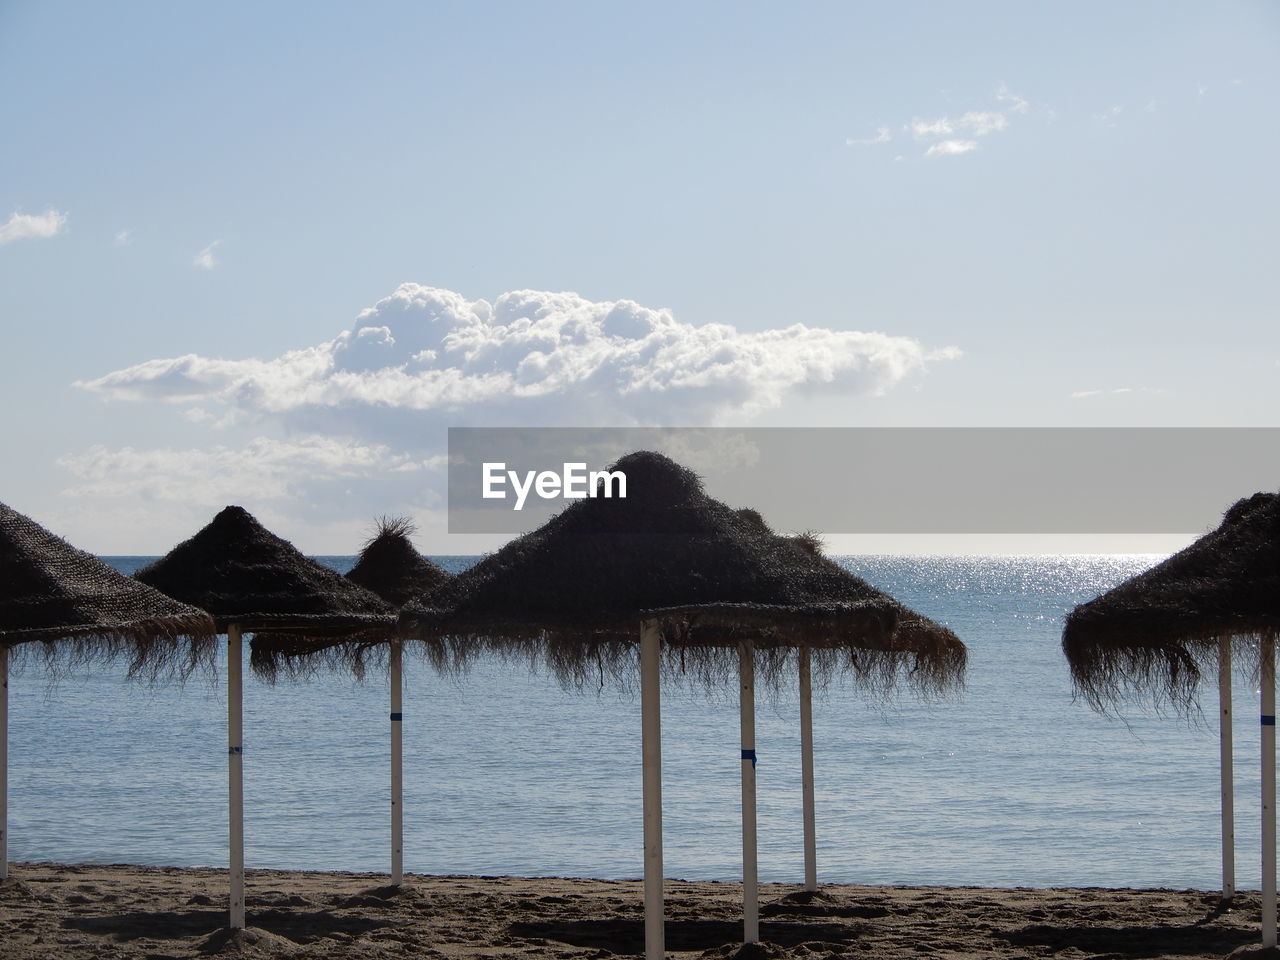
(750, 755)
(397, 716)
(235, 749)
(1268, 721)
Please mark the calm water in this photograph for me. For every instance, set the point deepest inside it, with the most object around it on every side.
(1010, 783)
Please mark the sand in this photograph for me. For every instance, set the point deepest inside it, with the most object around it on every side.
(52, 910)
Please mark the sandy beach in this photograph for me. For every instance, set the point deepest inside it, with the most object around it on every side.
(52, 910)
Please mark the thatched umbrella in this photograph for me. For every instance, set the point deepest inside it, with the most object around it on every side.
(60, 597)
(1155, 633)
(391, 567)
(249, 580)
(713, 583)
(913, 631)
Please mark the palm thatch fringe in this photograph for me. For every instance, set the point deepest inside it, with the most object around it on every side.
(612, 662)
(1166, 676)
(151, 655)
(282, 656)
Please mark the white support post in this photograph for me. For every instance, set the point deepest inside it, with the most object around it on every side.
(397, 769)
(747, 709)
(1268, 677)
(235, 775)
(4, 761)
(806, 770)
(651, 753)
(1226, 771)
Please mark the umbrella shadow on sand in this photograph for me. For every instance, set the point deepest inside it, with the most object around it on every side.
(1136, 941)
(296, 926)
(627, 936)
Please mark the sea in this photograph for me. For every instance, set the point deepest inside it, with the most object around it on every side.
(1013, 781)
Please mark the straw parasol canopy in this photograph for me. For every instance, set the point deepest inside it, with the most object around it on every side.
(1156, 631)
(50, 592)
(244, 574)
(251, 580)
(60, 598)
(389, 566)
(577, 588)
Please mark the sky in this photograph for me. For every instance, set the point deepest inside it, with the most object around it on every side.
(268, 254)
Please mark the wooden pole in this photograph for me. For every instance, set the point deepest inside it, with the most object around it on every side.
(806, 770)
(651, 755)
(1268, 676)
(397, 768)
(235, 775)
(4, 761)
(747, 714)
(1226, 770)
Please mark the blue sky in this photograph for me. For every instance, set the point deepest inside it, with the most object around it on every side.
(978, 214)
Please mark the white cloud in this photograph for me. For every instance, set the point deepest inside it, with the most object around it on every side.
(1016, 104)
(123, 238)
(931, 128)
(1111, 115)
(951, 148)
(365, 412)
(952, 136)
(882, 136)
(532, 356)
(144, 501)
(979, 124)
(1114, 392)
(27, 226)
(205, 259)
(265, 469)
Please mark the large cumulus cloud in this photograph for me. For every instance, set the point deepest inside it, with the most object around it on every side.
(531, 357)
(321, 438)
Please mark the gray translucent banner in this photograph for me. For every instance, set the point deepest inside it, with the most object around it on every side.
(891, 480)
